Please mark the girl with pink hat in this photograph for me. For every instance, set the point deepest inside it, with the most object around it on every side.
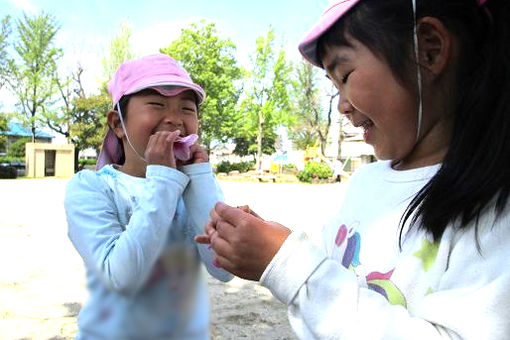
(420, 247)
(133, 220)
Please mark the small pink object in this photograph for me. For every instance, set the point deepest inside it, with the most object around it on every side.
(481, 2)
(182, 146)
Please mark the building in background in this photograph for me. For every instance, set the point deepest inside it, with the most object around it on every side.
(17, 131)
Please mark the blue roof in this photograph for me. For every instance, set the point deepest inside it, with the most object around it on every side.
(16, 129)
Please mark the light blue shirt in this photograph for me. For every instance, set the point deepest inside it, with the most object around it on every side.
(135, 236)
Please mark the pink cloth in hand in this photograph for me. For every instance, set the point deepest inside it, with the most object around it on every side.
(182, 145)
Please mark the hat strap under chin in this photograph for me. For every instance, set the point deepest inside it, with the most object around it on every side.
(127, 136)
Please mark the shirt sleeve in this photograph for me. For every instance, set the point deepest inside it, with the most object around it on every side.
(327, 301)
(122, 255)
(202, 193)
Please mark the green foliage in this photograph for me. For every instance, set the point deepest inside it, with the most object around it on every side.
(211, 63)
(3, 127)
(314, 171)
(289, 168)
(119, 51)
(5, 31)
(10, 159)
(248, 146)
(89, 121)
(31, 76)
(87, 161)
(311, 125)
(267, 103)
(17, 149)
(226, 166)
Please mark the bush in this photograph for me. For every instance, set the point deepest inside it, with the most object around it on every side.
(314, 171)
(226, 166)
(17, 149)
(87, 161)
(8, 159)
(289, 168)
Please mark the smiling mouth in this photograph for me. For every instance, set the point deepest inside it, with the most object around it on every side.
(365, 125)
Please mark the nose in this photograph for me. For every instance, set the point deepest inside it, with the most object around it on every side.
(173, 117)
(344, 106)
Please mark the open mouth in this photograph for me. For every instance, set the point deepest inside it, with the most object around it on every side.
(365, 125)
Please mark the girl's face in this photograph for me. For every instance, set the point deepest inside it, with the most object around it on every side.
(149, 112)
(373, 99)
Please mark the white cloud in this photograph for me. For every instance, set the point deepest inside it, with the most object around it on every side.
(151, 39)
(24, 5)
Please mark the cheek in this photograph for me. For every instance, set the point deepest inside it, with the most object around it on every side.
(191, 124)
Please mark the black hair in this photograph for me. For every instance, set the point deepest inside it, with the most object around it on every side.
(475, 172)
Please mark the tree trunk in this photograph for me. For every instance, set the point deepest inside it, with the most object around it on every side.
(259, 141)
(340, 138)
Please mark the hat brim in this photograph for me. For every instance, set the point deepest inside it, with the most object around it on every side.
(165, 80)
(308, 45)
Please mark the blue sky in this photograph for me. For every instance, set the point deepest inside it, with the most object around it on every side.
(86, 27)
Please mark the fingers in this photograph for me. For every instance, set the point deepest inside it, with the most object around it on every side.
(234, 216)
(203, 239)
(159, 149)
(199, 154)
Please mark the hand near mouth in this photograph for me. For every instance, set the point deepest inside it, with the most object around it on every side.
(160, 149)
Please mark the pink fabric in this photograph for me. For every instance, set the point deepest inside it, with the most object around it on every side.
(182, 147)
(150, 71)
(335, 10)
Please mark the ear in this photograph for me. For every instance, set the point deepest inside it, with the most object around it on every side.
(435, 43)
(113, 120)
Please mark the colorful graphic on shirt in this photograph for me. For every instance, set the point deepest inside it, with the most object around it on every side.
(381, 283)
(348, 243)
(427, 253)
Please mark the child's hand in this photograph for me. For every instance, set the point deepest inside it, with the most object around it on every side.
(198, 154)
(210, 230)
(160, 149)
(244, 244)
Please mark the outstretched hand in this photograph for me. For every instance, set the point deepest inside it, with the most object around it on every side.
(243, 242)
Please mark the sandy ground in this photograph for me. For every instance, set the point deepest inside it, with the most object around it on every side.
(42, 286)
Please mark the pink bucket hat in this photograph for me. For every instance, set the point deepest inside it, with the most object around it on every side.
(335, 10)
(159, 72)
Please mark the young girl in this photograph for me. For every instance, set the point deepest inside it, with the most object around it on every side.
(133, 221)
(421, 247)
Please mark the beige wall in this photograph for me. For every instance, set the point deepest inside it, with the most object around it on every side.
(35, 159)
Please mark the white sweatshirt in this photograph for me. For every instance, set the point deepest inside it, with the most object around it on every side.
(135, 236)
(359, 285)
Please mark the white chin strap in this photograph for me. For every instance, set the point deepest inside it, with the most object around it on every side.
(418, 74)
(127, 136)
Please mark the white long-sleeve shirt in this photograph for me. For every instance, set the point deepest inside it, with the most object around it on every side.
(135, 236)
(358, 284)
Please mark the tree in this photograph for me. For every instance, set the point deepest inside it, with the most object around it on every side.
(211, 63)
(89, 121)
(60, 117)
(3, 128)
(312, 123)
(5, 31)
(31, 77)
(119, 50)
(267, 104)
